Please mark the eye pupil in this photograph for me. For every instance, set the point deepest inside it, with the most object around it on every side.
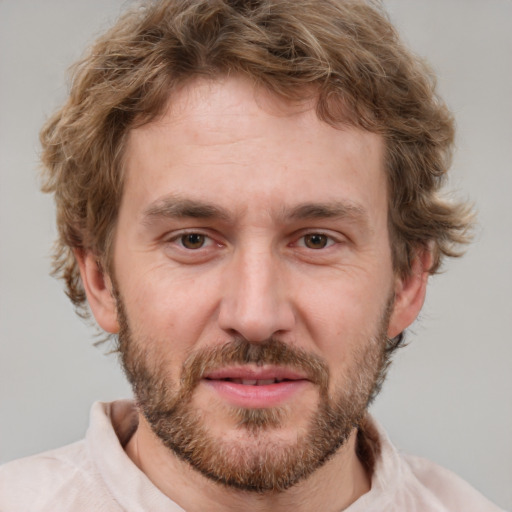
(315, 241)
(193, 240)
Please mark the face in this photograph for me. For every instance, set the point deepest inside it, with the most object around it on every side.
(254, 281)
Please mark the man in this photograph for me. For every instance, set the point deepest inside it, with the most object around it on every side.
(248, 195)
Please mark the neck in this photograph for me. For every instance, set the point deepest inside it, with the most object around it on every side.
(333, 487)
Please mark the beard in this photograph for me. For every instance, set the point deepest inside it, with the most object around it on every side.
(258, 460)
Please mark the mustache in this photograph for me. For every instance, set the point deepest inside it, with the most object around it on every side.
(239, 351)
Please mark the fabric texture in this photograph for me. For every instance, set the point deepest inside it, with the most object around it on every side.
(95, 474)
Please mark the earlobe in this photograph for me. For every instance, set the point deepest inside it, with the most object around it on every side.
(410, 292)
(99, 291)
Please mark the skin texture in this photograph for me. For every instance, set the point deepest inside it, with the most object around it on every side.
(293, 245)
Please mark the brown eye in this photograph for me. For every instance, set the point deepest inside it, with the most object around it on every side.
(316, 241)
(193, 240)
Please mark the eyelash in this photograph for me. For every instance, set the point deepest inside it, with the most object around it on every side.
(179, 238)
(329, 240)
(301, 241)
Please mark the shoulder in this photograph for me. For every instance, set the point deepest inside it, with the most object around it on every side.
(446, 488)
(405, 482)
(61, 479)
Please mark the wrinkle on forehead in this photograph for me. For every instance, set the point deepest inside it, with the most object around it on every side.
(241, 99)
(206, 92)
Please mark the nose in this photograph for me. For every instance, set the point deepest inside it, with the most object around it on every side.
(255, 302)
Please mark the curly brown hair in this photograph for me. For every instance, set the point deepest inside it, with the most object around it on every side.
(346, 51)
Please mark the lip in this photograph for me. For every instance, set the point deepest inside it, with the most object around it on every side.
(260, 395)
(255, 373)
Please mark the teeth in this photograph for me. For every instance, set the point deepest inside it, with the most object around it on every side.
(255, 382)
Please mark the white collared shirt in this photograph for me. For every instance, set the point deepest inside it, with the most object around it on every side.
(95, 474)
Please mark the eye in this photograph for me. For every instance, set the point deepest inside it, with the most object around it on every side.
(316, 241)
(193, 246)
(193, 240)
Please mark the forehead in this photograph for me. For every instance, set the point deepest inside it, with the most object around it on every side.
(225, 140)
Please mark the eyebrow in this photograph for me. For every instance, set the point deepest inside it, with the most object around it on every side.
(328, 210)
(178, 208)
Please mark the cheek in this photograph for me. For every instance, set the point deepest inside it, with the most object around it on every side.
(170, 309)
(343, 317)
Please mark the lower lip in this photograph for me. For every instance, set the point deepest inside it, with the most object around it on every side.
(257, 397)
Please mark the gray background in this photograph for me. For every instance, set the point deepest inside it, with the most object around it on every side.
(449, 393)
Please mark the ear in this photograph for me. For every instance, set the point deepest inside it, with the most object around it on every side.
(410, 293)
(99, 291)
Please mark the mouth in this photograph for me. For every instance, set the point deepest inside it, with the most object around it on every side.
(255, 387)
(256, 382)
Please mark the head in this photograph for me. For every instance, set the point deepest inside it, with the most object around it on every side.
(335, 65)
(343, 53)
